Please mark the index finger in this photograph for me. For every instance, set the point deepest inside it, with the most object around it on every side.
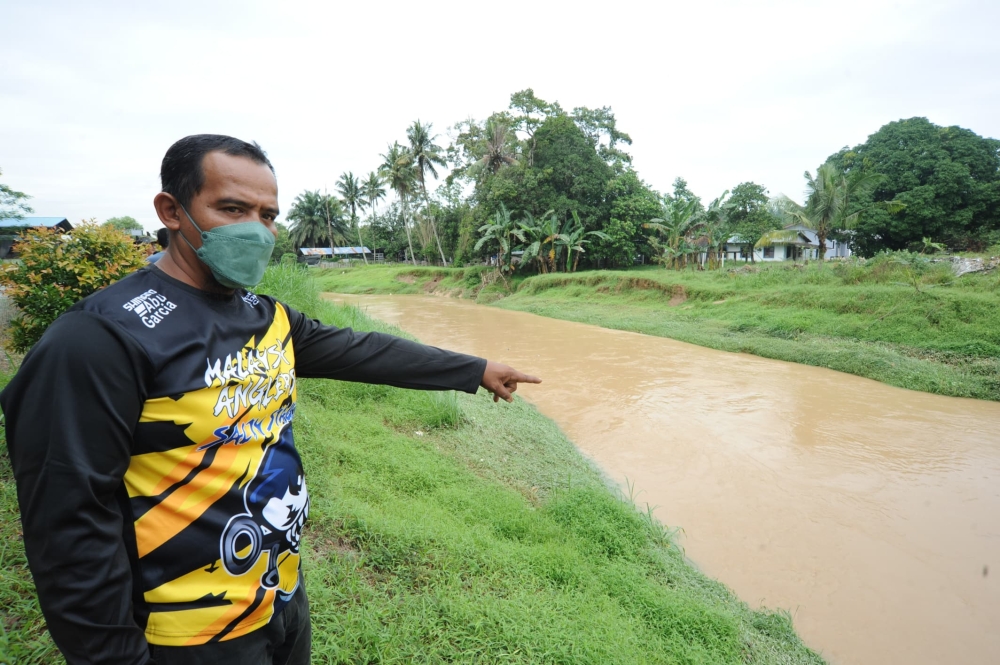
(525, 378)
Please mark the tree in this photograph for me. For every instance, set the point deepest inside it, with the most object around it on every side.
(12, 202)
(947, 177)
(532, 112)
(317, 219)
(568, 173)
(124, 224)
(633, 203)
(349, 188)
(373, 191)
(398, 172)
(830, 198)
(749, 216)
(601, 128)
(426, 154)
(282, 244)
(486, 148)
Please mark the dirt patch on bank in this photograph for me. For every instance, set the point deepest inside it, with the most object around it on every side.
(431, 286)
(406, 279)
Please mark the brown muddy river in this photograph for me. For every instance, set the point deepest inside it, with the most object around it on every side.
(871, 513)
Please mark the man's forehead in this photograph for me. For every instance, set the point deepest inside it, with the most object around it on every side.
(222, 170)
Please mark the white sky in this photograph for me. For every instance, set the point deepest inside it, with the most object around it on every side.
(92, 94)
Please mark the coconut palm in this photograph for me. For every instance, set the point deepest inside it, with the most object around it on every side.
(829, 197)
(499, 147)
(316, 219)
(373, 190)
(426, 154)
(349, 188)
(397, 171)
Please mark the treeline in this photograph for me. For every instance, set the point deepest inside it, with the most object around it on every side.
(559, 185)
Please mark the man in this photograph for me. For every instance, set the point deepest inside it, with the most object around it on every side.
(150, 431)
(162, 239)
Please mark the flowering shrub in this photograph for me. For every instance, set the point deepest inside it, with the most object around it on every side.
(56, 269)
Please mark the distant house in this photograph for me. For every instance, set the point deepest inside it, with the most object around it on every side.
(313, 255)
(804, 246)
(9, 228)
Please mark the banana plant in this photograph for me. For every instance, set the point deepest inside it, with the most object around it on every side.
(574, 238)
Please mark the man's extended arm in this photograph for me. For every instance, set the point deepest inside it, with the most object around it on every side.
(341, 353)
(69, 417)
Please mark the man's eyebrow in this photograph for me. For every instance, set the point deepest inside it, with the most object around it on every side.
(244, 204)
(237, 202)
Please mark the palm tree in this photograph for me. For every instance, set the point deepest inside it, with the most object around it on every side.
(426, 154)
(316, 218)
(497, 148)
(829, 196)
(349, 188)
(679, 218)
(373, 190)
(397, 171)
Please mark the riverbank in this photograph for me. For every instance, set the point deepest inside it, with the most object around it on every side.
(912, 326)
(452, 529)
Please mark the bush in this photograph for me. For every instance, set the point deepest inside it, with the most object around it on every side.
(58, 269)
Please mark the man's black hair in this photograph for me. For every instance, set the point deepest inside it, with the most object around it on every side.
(181, 172)
(162, 238)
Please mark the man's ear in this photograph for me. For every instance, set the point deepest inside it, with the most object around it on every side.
(168, 210)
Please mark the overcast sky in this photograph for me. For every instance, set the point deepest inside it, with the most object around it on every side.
(92, 94)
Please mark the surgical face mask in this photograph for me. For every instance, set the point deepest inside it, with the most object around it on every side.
(237, 254)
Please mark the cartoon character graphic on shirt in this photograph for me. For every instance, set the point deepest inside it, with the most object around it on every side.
(277, 505)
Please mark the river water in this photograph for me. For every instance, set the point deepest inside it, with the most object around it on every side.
(871, 513)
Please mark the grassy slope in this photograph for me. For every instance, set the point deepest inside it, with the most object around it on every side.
(943, 338)
(485, 538)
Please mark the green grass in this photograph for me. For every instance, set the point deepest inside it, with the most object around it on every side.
(906, 324)
(448, 528)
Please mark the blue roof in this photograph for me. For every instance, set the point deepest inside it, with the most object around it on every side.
(325, 251)
(48, 222)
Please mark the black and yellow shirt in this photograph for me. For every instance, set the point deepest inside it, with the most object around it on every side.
(150, 431)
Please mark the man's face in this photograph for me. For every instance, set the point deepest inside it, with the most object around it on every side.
(236, 189)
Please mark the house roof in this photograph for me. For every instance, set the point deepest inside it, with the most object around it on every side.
(325, 251)
(47, 222)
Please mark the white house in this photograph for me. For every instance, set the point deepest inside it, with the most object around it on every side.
(804, 246)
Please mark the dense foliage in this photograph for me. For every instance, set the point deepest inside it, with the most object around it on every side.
(948, 178)
(545, 172)
(125, 223)
(12, 202)
(57, 269)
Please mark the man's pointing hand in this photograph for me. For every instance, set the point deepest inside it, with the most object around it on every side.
(502, 380)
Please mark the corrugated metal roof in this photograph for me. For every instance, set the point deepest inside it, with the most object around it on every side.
(325, 251)
(48, 222)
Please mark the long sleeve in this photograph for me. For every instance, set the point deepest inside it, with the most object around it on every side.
(70, 412)
(341, 353)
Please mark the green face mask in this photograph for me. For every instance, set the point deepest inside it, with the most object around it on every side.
(237, 254)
